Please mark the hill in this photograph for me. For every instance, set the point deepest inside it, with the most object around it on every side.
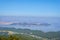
(34, 33)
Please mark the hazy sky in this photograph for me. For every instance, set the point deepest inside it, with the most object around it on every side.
(30, 8)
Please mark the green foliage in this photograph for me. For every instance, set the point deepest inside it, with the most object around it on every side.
(17, 37)
(44, 35)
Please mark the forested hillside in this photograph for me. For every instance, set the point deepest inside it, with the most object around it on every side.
(27, 34)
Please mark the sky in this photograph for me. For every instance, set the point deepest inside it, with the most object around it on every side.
(39, 8)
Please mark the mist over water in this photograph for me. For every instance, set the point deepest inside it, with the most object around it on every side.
(53, 21)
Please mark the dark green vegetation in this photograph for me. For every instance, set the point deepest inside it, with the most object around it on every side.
(18, 37)
(25, 34)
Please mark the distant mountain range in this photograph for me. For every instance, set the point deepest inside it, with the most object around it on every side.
(30, 24)
(36, 24)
